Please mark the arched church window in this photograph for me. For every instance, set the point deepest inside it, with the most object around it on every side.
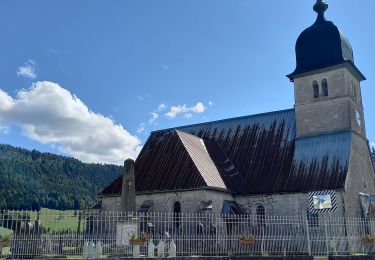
(316, 89)
(261, 214)
(325, 87)
(177, 212)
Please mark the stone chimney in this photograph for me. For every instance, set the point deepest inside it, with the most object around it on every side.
(128, 203)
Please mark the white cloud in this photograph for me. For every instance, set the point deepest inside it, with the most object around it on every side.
(51, 115)
(198, 108)
(372, 145)
(185, 110)
(210, 103)
(6, 101)
(153, 118)
(141, 128)
(4, 130)
(53, 51)
(161, 107)
(32, 62)
(28, 70)
(188, 115)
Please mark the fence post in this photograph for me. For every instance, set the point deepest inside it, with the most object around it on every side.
(326, 235)
(308, 236)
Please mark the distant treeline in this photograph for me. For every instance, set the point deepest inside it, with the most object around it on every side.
(31, 180)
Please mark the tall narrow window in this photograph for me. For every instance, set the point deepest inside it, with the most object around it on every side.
(261, 214)
(316, 89)
(325, 87)
(177, 212)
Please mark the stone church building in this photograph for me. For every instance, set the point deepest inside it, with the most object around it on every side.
(272, 163)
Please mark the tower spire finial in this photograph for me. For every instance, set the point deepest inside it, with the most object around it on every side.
(320, 7)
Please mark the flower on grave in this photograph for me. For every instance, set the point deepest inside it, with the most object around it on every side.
(368, 239)
(142, 236)
(247, 237)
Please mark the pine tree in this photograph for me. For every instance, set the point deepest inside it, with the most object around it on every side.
(31, 180)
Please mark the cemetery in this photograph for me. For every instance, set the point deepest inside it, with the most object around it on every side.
(117, 235)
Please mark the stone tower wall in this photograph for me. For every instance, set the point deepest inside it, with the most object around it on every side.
(327, 114)
(360, 177)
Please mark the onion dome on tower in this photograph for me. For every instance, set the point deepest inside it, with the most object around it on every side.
(322, 45)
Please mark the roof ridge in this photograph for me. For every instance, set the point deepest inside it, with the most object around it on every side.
(225, 119)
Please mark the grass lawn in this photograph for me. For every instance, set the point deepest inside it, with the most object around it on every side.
(4, 232)
(57, 220)
(54, 220)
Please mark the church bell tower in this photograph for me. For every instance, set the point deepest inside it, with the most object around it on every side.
(326, 81)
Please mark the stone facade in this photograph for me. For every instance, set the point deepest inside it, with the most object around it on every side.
(292, 204)
(288, 204)
(111, 203)
(164, 201)
(360, 177)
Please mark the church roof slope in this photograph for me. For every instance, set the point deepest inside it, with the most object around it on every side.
(113, 189)
(178, 161)
(320, 162)
(247, 155)
(171, 163)
(260, 147)
(246, 150)
(197, 150)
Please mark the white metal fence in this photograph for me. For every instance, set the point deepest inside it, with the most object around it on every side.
(89, 234)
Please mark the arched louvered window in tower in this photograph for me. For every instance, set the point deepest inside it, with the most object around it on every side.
(325, 87)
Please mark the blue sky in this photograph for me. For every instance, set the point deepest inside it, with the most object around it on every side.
(91, 79)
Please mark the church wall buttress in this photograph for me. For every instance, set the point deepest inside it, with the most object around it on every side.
(360, 177)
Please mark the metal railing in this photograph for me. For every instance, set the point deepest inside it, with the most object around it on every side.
(90, 234)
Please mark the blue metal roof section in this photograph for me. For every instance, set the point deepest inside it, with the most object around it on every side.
(320, 162)
(240, 124)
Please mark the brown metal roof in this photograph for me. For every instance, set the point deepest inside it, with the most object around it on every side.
(246, 155)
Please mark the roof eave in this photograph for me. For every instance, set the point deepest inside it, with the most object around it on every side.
(218, 189)
(347, 64)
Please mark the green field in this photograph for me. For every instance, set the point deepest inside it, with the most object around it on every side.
(56, 220)
(51, 220)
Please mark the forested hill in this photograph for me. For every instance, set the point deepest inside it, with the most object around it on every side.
(31, 179)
